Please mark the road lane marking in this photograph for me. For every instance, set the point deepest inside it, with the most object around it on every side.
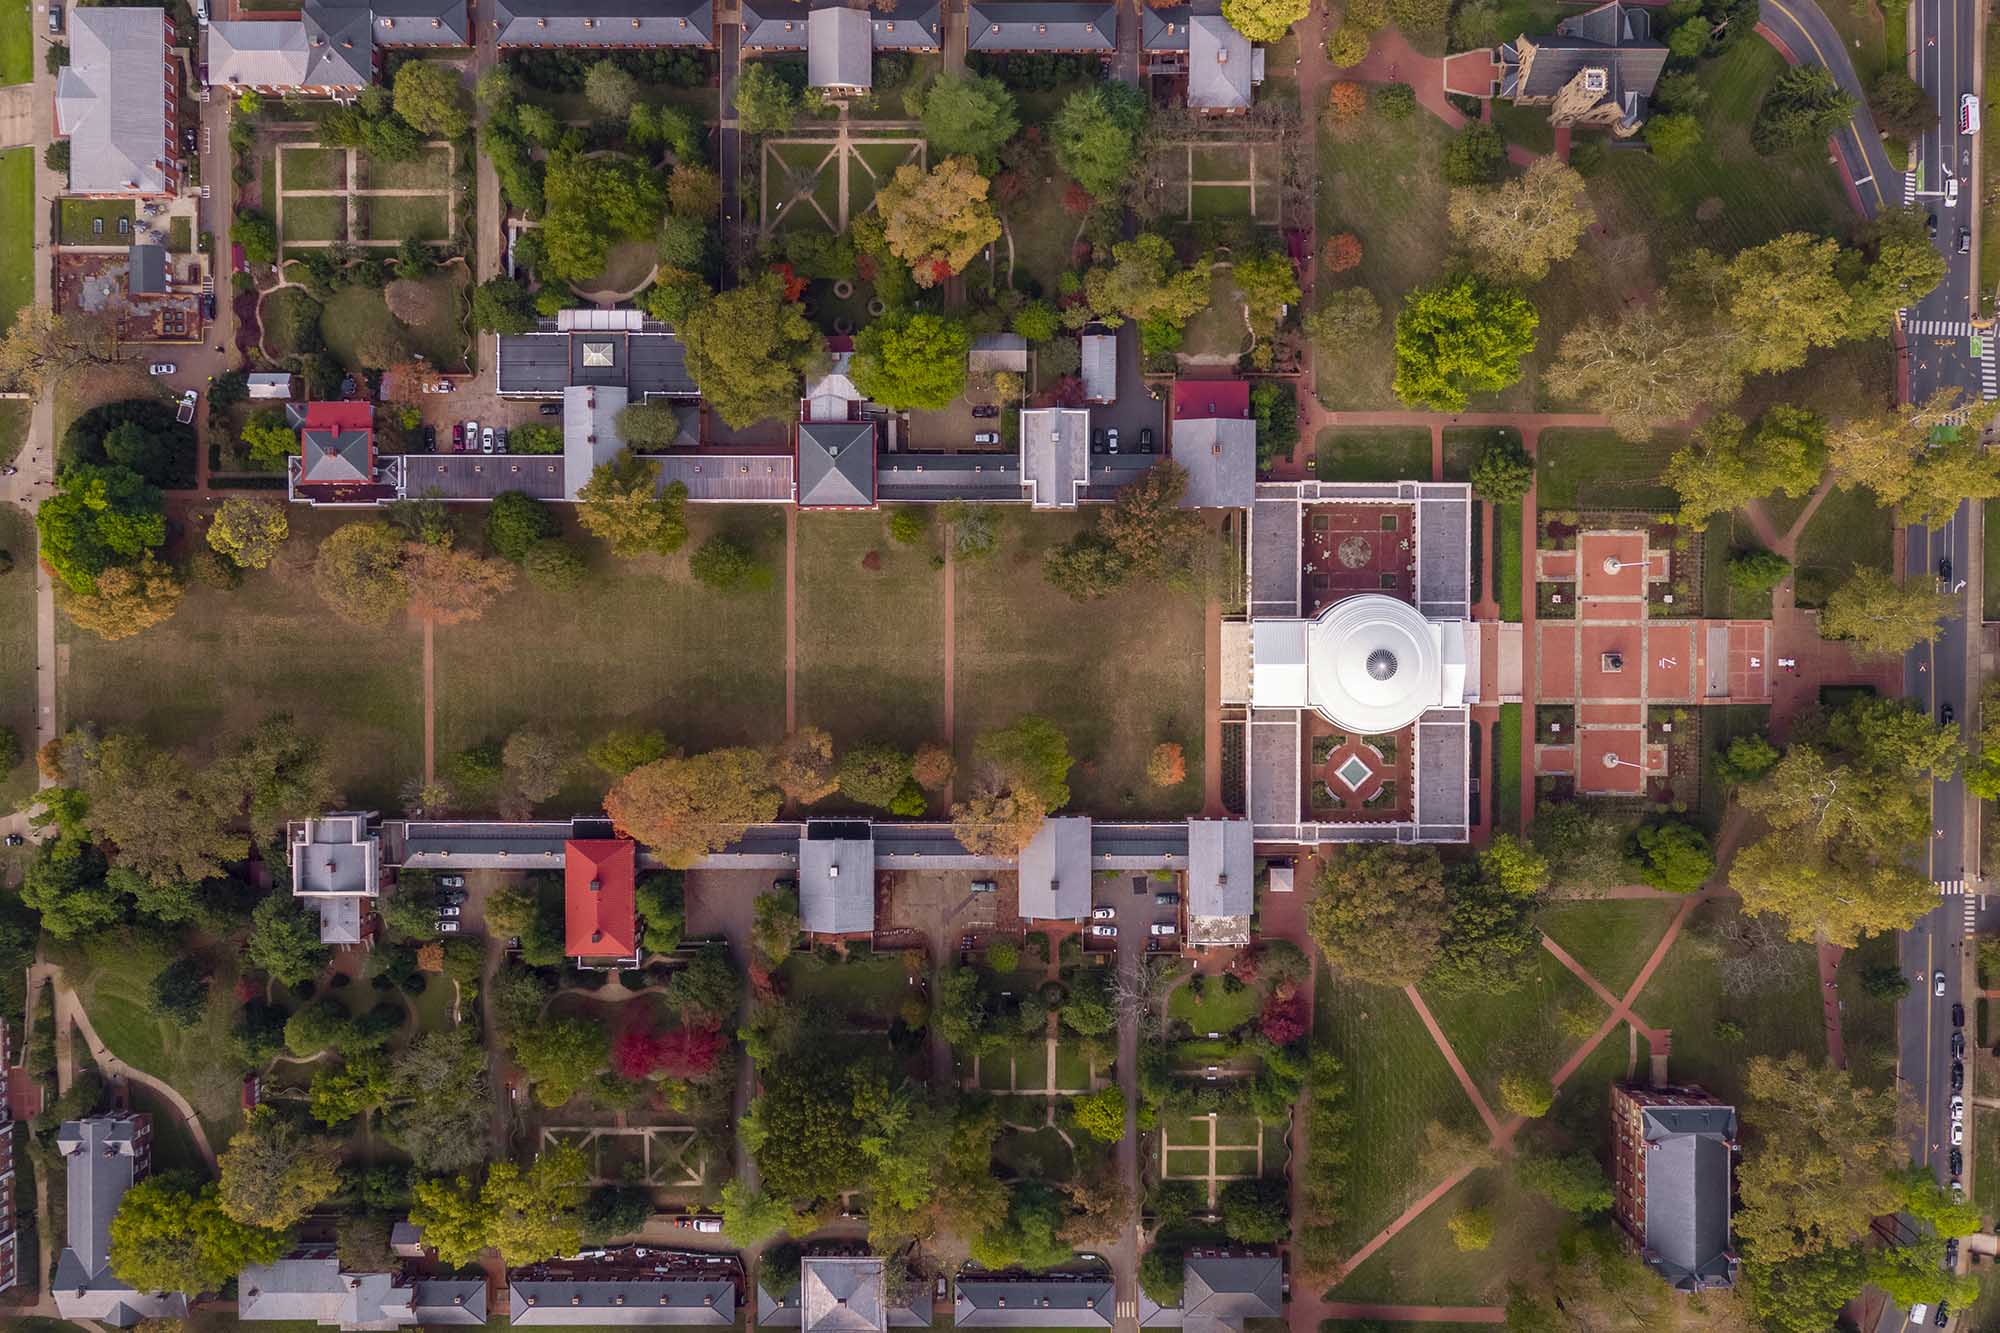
(1859, 148)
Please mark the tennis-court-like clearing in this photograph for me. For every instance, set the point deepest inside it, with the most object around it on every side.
(312, 168)
(429, 169)
(1233, 181)
(392, 217)
(312, 217)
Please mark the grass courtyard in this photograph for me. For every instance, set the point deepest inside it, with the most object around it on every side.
(813, 183)
(1119, 675)
(355, 313)
(17, 649)
(17, 41)
(355, 210)
(17, 231)
(870, 632)
(1373, 453)
(1600, 469)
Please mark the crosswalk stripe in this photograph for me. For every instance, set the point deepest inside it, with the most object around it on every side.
(1989, 378)
(1909, 188)
(1948, 887)
(1971, 912)
(1940, 328)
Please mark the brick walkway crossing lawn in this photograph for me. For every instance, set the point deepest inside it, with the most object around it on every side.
(1212, 1176)
(352, 195)
(1045, 1086)
(1309, 1310)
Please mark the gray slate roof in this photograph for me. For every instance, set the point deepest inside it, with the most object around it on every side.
(146, 270)
(837, 880)
(702, 1301)
(102, 1163)
(1041, 25)
(342, 45)
(914, 25)
(1688, 1186)
(778, 1311)
(1224, 1291)
(1222, 868)
(1220, 457)
(1615, 37)
(844, 1294)
(421, 23)
(315, 1290)
(774, 25)
(595, 23)
(1055, 875)
(110, 100)
(1034, 1303)
(1164, 29)
(590, 431)
(449, 1301)
(1220, 65)
(1100, 366)
(837, 463)
(840, 48)
(335, 457)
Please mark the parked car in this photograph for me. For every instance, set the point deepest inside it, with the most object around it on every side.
(1111, 439)
(444, 386)
(691, 1222)
(1957, 1161)
(1164, 928)
(1958, 1108)
(1946, 715)
(472, 436)
(1950, 201)
(201, 12)
(986, 437)
(451, 895)
(500, 441)
(550, 409)
(1957, 1044)
(15, 840)
(1104, 914)
(452, 881)
(1145, 439)
(1937, 983)
(1097, 439)
(161, 368)
(1944, 570)
(1958, 1015)
(1965, 240)
(56, 22)
(447, 927)
(188, 139)
(985, 410)
(446, 911)
(184, 410)
(1943, 1315)
(1104, 932)
(430, 439)
(1957, 1133)
(458, 436)
(1166, 900)
(208, 305)
(486, 440)
(1958, 1076)
(1919, 1312)
(1957, 1196)
(1930, 226)
(984, 886)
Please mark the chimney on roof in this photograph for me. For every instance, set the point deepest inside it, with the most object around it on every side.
(1003, 1302)
(459, 1299)
(663, 1298)
(619, 1299)
(576, 1298)
(833, 872)
(596, 884)
(708, 1300)
(532, 1299)
(1222, 57)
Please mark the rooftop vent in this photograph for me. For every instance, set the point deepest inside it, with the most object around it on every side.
(619, 1299)
(596, 885)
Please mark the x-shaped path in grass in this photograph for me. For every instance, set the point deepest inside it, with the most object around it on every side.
(1501, 1133)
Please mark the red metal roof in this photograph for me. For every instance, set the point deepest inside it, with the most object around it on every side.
(598, 875)
(333, 414)
(1206, 400)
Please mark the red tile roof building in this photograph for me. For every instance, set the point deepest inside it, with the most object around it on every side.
(601, 921)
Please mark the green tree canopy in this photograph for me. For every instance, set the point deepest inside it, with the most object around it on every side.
(1096, 135)
(1459, 337)
(965, 114)
(910, 360)
(748, 347)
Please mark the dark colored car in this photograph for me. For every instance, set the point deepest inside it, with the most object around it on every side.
(1145, 439)
(1958, 1015)
(1965, 240)
(1957, 1045)
(550, 409)
(430, 439)
(1097, 445)
(1958, 1076)
(1930, 226)
(1957, 1160)
(1946, 714)
(1943, 1315)
(986, 410)
(1944, 570)
(208, 306)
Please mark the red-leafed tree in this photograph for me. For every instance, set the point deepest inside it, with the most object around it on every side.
(1077, 201)
(1342, 253)
(690, 1052)
(1284, 1018)
(638, 1051)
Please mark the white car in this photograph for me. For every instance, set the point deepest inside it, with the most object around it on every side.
(1937, 983)
(1958, 1108)
(448, 911)
(471, 435)
(452, 881)
(486, 440)
(1104, 914)
(161, 368)
(1957, 1133)
(1104, 932)
(1163, 928)
(1951, 193)
(184, 410)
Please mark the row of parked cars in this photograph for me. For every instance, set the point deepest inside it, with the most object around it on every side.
(450, 903)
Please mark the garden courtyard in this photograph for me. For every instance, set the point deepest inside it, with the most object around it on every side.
(333, 196)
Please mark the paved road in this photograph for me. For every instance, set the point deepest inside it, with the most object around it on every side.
(1805, 32)
(1946, 34)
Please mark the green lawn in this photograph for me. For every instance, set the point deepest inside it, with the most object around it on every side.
(1868, 1024)
(1119, 675)
(1421, 1265)
(1611, 939)
(1384, 453)
(76, 219)
(1397, 1083)
(639, 644)
(1724, 194)
(1383, 181)
(1072, 1069)
(1991, 512)
(355, 312)
(17, 649)
(430, 168)
(14, 416)
(1464, 444)
(180, 236)
(1507, 563)
(1527, 126)
(313, 168)
(1513, 1031)
(285, 296)
(1216, 1010)
(1686, 996)
(1507, 771)
(17, 42)
(392, 217)
(227, 659)
(1599, 469)
(1043, 237)
(314, 217)
(1989, 156)
(17, 231)
(1218, 331)
(1849, 528)
(173, 1145)
(113, 976)
(1042, 1155)
(1721, 724)
(871, 640)
(865, 989)
(1728, 535)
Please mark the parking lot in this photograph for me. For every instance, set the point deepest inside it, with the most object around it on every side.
(1132, 899)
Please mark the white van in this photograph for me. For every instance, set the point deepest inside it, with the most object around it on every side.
(1920, 1314)
(1968, 114)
